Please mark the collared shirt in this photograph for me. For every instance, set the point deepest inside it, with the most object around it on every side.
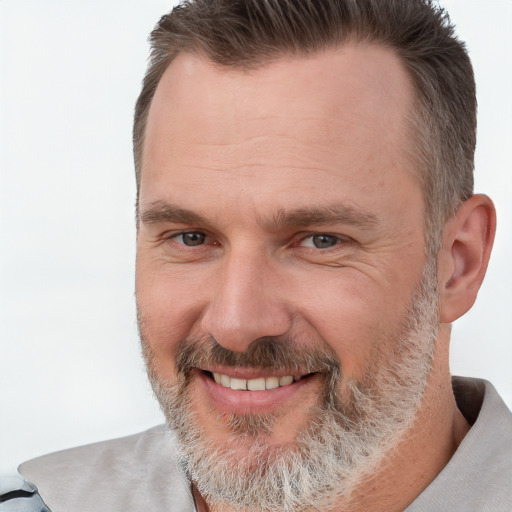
(141, 472)
(478, 477)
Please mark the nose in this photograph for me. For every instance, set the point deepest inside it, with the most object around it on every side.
(247, 302)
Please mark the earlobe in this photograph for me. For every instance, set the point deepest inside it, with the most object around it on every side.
(467, 242)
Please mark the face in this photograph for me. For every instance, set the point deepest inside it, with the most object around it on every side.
(281, 259)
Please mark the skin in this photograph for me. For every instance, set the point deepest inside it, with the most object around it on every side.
(254, 164)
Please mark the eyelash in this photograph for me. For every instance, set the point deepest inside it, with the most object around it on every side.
(174, 236)
(339, 239)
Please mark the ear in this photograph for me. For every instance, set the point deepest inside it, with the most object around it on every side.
(462, 262)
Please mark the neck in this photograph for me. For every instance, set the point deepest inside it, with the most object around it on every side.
(420, 456)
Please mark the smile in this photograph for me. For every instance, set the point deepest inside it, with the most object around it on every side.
(259, 384)
(248, 391)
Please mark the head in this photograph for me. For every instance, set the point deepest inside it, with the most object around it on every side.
(299, 169)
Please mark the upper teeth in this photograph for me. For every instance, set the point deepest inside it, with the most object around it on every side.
(252, 384)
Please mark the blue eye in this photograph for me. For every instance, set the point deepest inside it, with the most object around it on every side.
(324, 241)
(321, 241)
(192, 239)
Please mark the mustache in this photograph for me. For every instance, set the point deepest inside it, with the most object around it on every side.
(267, 354)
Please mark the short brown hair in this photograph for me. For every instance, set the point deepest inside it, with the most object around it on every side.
(251, 33)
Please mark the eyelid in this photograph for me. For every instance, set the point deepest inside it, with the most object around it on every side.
(341, 238)
(174, 235)
(171, 233)
(300, 238)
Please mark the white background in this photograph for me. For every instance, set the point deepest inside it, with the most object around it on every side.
(70, 370)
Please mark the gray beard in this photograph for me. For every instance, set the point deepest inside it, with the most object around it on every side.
(348, 432)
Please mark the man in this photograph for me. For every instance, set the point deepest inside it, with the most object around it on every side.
(307, 232)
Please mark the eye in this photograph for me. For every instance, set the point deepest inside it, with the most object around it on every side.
(320, 241)
(190, 239)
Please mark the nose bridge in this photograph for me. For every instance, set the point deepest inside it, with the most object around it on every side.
(245, 302)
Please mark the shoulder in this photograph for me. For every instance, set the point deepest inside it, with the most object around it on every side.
(138, 472)
(478, 477)
(114, 452)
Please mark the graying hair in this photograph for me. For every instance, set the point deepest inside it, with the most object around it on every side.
(248, 34)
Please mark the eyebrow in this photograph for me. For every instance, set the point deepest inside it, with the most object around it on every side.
(331, 214)
(162, 212)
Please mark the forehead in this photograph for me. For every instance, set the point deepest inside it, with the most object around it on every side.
(338, 115)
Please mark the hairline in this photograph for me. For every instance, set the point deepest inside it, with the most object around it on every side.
(415, 146)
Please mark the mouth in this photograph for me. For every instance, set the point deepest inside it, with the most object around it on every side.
(243, 391)
(254, 384)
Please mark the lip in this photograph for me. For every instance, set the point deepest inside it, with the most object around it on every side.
(255, 402)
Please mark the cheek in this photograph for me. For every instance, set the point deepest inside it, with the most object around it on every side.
(355, 317)
(167, 312)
